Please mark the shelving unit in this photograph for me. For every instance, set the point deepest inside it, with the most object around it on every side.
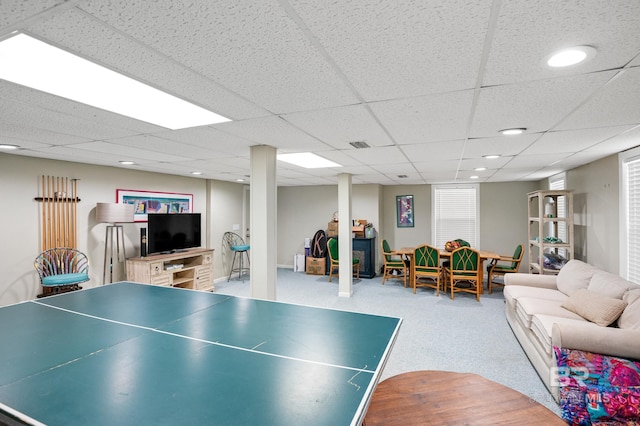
(545, 228)
(190, 269)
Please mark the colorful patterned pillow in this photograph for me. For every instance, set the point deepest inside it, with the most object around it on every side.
(598, 389)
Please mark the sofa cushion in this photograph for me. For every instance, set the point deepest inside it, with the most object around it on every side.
(526, 307)
(595, 307)
(542, 328)
(574, 276)
(608, 284)
(513, 292)
(630, 317)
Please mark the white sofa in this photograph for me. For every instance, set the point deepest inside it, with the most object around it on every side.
(564, 310)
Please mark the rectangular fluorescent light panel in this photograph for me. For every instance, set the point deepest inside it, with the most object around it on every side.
(307, 160)
(33, 63)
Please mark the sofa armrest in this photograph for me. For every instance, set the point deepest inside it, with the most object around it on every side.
(531, 280)
(623, 343)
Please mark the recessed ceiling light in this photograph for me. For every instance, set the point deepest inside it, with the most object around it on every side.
(127, 163)
(491, 156)
(196, 173)
(480, 169)
(571, 56)
(474, 177)
(8, 147)
(239, 180)
(514, 131)
(307, 160)
(33, 63)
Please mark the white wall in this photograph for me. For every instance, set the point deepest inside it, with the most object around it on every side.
(20, 217)
(301, 212)
(504, 218)
(225, 211)
(596, 205)
(406, 237)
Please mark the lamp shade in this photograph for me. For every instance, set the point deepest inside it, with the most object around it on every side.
(114, 212)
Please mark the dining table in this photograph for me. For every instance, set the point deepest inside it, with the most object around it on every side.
(407, 252)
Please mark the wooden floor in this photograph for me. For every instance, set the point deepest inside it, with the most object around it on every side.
(447, 398)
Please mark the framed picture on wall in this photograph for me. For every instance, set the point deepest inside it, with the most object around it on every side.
(404, 211)
(155, 202)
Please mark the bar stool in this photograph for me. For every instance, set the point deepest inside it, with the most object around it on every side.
(237, 246)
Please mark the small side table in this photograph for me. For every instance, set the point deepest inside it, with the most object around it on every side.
(443, 397)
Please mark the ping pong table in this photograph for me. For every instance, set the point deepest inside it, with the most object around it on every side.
(128, 353)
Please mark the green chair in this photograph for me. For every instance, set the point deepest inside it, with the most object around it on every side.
(494, 268)
(464, 273)
(426, 268)
(392, 263)
(334, 260)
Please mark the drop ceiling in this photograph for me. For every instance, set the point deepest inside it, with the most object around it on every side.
(426, 84)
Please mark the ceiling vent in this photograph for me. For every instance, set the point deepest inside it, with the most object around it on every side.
(359, 145)
(403, 176)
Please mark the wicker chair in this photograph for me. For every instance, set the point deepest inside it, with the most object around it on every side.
(494, 268)
(464, 272)
(61, 269)
(392, 263)
(426, 266)
(332, 245)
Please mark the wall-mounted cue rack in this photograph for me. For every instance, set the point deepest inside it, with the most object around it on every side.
(59, 211)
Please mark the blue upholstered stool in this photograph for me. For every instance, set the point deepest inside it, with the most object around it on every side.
(236, 244)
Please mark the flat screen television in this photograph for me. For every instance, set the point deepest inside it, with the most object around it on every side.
(171, 232)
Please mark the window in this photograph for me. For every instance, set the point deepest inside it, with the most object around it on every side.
(558, 182)
(629, 163)
(456, 213)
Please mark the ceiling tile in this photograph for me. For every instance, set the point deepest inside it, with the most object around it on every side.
(426, 83)
(80, 33)
(615, 104)
(339, 126)
(434, 151)
(501, 145)
(272, 131)
(537, 106)
(128, 153)
(273, 63)
(438, 117)
(572, 141)
(529, 31)
(400, 48)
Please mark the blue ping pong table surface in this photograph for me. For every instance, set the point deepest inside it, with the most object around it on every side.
(129, 353)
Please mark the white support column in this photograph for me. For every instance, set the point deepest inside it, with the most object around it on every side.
(345, 243)
(263, 222)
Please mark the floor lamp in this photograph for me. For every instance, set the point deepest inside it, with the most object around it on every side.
(114, 214)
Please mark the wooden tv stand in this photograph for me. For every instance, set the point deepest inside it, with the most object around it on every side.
(188, 269)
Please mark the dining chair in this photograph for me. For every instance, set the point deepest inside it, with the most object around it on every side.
(426, 268)
(501, 269)
(334, 261)
(464, 273)
(392, 263)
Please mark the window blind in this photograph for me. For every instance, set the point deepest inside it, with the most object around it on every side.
(455, 214)
(632, 169)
